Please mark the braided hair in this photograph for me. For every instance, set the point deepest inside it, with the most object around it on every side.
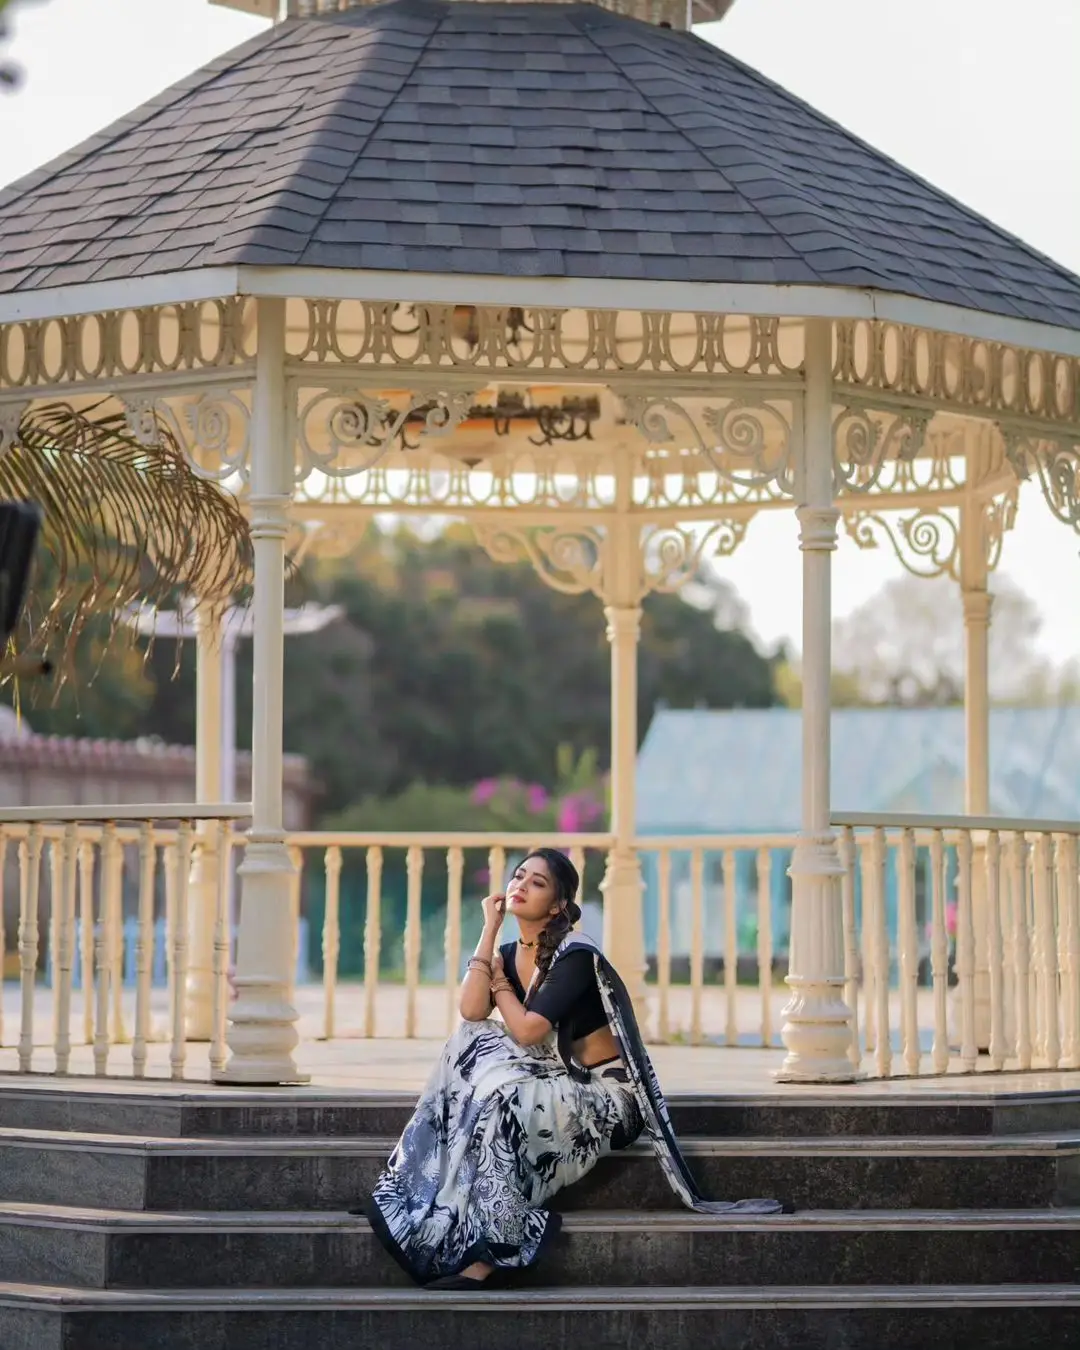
(565, 879)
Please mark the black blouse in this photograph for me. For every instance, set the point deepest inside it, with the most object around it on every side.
(569, 994)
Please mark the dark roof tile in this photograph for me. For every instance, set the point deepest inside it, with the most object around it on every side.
(527, 140)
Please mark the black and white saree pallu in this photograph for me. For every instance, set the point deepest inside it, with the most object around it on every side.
(500, 1128)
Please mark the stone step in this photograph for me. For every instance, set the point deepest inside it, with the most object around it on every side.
(951, 1172)
(1009, 1317)
(111, 1248)
(194, 1112)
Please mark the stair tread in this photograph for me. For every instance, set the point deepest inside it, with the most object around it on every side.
(558, 1299)
(275, 1145)
(76, 1216)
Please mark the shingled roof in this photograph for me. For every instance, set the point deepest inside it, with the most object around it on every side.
(532, 140)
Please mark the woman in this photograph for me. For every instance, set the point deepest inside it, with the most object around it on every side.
(516, 1111)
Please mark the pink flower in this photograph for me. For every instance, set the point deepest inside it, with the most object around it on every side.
(537, 797)
(569, 818)
(484, 791)
(951, 918)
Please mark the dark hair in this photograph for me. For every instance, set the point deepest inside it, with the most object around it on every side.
(565, 879)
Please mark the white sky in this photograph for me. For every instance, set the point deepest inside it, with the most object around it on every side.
(980, 97)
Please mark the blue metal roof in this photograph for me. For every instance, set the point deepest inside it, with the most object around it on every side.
(738, 771)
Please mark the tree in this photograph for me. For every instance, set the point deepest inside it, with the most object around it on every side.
(906, 646)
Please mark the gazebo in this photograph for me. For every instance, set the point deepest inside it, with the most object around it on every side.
(575, 276)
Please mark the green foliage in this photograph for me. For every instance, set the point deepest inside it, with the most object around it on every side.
(448, 670)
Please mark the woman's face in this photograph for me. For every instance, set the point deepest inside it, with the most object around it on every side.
(530, 894)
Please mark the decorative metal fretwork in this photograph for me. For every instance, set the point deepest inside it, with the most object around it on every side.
(121, 345)
(211, 429)
(564, 342)
(340, 436)
(746, 445)
(940, 370)
(578, 560)
(927, 542)
(998, 518)
(869, 442)
(1055, 462)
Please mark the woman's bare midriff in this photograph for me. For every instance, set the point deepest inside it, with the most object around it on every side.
(595, 1047)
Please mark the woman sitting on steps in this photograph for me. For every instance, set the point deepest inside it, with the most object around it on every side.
(514, 1112)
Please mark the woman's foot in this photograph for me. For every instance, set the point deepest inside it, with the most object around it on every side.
(471, 1278)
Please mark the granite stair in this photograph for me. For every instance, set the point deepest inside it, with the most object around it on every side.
(218, 1220)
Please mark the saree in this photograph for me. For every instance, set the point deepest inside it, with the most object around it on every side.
(500, 1128)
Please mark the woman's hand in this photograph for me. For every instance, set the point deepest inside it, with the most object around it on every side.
(494, 907)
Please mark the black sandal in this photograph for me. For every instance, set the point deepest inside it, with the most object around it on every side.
(458, 1283)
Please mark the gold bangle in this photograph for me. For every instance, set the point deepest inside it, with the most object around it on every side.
(478, 963)
(501, 987)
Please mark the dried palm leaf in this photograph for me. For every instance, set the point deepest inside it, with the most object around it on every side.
(125, 523)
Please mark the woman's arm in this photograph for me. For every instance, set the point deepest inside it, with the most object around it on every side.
(527, 1028)
(475, 1001)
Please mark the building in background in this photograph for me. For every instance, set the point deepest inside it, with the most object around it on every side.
(738, 773)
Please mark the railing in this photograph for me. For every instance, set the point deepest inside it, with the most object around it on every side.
(962, 936)
(87, 857)
(1014, 947)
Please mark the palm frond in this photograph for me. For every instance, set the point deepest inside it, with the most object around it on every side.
(125, 523)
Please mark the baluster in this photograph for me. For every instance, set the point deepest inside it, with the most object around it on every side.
(86, 935)
(168, 863)
(220, 959)
(869, 988)
(731, 949)
(331, 937)
(851, 944)
(497, 868)
(1069, 946)
(414, 868)
(663, 946)
(765, 941)
(3, 933)
(1021, 950)
(1008, 942)
(455, 868)
(372, 939)
(110, 862)
(995, 951)
(577, 857)
(296, 885)
(882, 973)
(144, 947)
(114, 899)
(909, 955)
(1046, 950)
(697, 941)
(178, 1049)
(29, 899)
(965, 952)
(56, 886)
(939, 954)
(64, 901)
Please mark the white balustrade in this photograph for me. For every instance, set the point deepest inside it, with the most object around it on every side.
(115, 893)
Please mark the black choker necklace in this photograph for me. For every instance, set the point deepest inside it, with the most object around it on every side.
(523, 943)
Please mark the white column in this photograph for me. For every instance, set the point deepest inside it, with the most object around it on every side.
(624, 930)
(817, 1022)
(978, 607)
(262, 1033)
(204, 871)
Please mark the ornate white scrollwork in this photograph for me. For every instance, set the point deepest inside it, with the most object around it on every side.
(341, 436)
(671, 555)
(577, 560)
(212, 429)
(568, 559)
(11, 416)
(748, 444)
(927, 543)
(1055, 461)
(998, 518)
(866, 440)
